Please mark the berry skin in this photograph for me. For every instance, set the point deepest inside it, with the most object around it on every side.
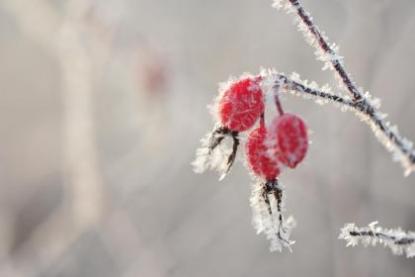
(261, 164)
(289, 132)
(241, 104)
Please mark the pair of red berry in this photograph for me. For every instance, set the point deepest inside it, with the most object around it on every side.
(284, 141)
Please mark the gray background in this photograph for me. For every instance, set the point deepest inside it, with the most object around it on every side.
(95, 175)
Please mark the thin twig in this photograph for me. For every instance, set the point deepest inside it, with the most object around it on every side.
(302, 88)
(334, 59)
(398, 241)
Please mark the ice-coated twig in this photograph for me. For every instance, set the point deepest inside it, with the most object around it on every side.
(267, 202)
(324, 51)
(366, 109)
(399, 241)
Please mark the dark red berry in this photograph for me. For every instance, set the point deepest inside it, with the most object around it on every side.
(241, 104)
(258, 156)
(289, 133)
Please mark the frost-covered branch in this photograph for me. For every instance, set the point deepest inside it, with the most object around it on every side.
(324, 51)
(388, 134)
(294, 85)
(367, 109)
(399, 241)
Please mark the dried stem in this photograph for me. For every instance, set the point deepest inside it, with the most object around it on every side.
(271, 187)
(277, 98)
(267, 204)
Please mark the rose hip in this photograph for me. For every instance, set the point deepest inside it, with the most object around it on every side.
(241, 104)
(289, 133)
(258, 157)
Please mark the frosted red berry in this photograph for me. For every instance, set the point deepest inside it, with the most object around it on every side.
(258, 156)
(289, 132)
(241, 104)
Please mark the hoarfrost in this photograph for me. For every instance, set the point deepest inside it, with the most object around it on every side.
(399, 241)
(208, 159)
(268, 219)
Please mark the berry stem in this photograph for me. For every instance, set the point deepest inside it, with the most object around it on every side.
(276, 90)
(262, 120)
(278, 104)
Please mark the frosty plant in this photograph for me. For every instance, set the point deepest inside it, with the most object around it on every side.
(272, 148)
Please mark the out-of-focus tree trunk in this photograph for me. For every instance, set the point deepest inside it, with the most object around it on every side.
(63, 34)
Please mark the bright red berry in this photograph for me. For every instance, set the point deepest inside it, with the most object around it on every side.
(241, 104)
(258, 156)
(289, 132)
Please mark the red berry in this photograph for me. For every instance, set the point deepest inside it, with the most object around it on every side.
(241, 105)
(291, 140)
(258, 157)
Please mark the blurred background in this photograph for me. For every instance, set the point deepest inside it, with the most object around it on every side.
(103, 103)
